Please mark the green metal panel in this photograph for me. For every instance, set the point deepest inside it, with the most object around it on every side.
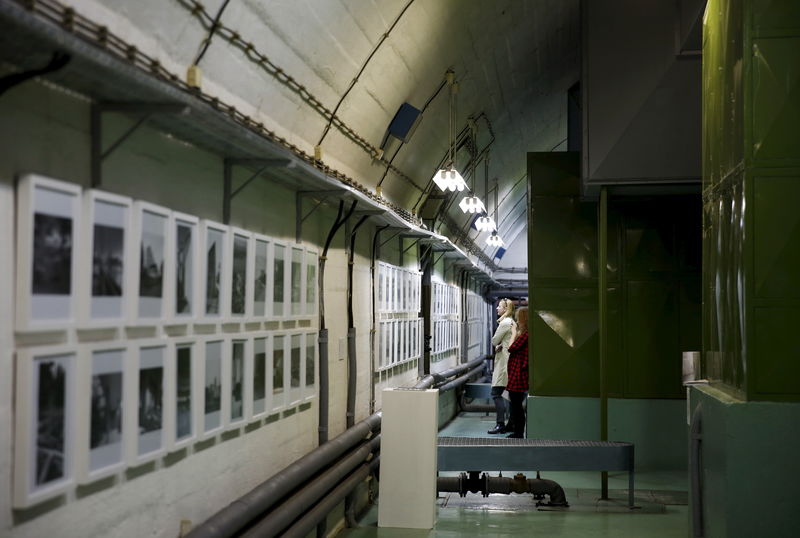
(777, 370)
(563, 239)
(776, 257)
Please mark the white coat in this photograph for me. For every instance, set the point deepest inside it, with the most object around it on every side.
(502, 337)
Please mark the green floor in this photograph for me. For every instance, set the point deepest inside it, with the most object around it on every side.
(660, 496)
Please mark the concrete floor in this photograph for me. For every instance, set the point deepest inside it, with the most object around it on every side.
(661, 497)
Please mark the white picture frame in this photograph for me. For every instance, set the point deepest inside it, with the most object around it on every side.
(44, 459)
(311, 369)
(261, 277)
(213, 387)
(49, 220)
(379, 289)
(214, 267)
(149, 263)
(311, 279)
(147, 435)
(297, 281)
(296, 368)
(181, 393)
(278, 372)
(105, 287)
(259, 402)
(237, 374)
(101, 441)
(239, 283)
(184, 301)
(280, 280)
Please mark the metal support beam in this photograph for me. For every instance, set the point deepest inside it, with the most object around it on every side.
(396, 231)
(298, 214)
(228, 193)
(603, 326)
(142, 110)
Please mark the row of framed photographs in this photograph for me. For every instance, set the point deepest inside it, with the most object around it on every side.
(400, 341)
(86, 412)
(445, 335)
(399, 289)
(476, 306)
(96, 259)
(446, 299)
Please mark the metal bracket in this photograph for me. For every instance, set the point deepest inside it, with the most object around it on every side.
(436, 260)
(227, 189)
(397, 231)
(298, 200)
(143, 110)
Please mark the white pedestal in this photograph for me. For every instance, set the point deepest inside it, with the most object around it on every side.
(409, 428)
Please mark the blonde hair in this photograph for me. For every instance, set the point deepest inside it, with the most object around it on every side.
(522, 319)
(509, 313)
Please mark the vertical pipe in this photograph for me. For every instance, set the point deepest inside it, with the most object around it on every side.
(376, 254)
(424, 366)
(603, 326)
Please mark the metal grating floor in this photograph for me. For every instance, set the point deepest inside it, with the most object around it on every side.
(505, 441)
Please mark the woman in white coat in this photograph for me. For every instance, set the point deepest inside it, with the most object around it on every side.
(501, 340)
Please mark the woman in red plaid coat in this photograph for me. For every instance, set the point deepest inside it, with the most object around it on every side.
(518, 373)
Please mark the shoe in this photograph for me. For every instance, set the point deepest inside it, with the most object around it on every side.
(499, 428)
(514, 436)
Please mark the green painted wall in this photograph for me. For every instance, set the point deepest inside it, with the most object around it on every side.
(653, 291)
(656, 427)
(750, 467)
(751, 179)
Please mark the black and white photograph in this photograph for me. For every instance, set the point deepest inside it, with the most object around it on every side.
(183, 392)
(277, 364)
(107, 261)
(295, 367)
(51, 421)
(213, 387)
(237, 380)
(296, 276)
(311, 355)
(151, 261)
(52, 255)
(239, 274)
(151, 408)
(311, 283)
(260, 279)
(259, 375)
(105, 438)
(184, 270)
(214, 253)
(278, 266)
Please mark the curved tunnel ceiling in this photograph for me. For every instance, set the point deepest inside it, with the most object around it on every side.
(333, 73)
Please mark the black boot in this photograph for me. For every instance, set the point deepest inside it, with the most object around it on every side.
(499, 428)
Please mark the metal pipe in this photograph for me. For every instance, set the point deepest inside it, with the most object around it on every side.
(283, 515)
(302, 527)
(373, 328)
(484, 484)
(429, 380)
(459, 381)
(603, 326)
(247, 508)
(351, 330)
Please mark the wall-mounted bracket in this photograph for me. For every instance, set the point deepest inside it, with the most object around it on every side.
(227, 189)
(396, 231)
(298, 200)
(143, 111)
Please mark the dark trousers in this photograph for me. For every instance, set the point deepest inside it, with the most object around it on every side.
(517, 418)
(499, 404)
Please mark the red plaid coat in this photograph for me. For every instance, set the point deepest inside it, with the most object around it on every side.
(518, 364)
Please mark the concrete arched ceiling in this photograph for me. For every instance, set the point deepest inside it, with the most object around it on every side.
(332, 73)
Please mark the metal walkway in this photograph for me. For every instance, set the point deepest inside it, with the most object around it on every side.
(504, 454)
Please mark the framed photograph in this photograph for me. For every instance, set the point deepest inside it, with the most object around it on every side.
(403, 340)
(279, 372)
(101, 441)
(296, 367)
(185, 277)
(312, 261)
(280, 280)
(379, 295)
(261, 353)
(310, 372)
(148, 257)
(45, 423)
(236, 374)
(239, 286)
(260, 275)
(147, 438)
(389, 356)
(180, 394)
(106, 229)
(48, 242)
(214, 270)
(297, 282)
(212, 387)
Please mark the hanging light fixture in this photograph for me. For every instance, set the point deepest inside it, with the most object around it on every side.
(471, 203)
(448, 178)
(494, 240)
(485, 223)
